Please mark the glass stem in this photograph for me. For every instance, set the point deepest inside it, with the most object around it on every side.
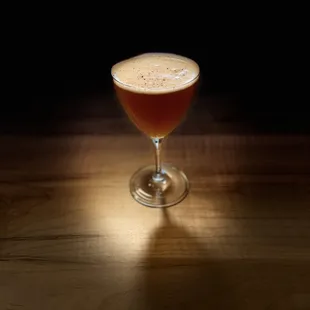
(158, 175)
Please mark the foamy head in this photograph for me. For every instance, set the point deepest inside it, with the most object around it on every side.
(155, 73)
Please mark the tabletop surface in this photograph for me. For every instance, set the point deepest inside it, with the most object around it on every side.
(71, 236)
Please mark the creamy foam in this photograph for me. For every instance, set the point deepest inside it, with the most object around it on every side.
(155, 73)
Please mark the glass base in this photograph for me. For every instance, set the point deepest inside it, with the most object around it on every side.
(169, 191)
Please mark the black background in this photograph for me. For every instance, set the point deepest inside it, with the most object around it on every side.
(72, 72)
(48, 76)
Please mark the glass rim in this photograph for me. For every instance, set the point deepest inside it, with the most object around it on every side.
(154, 90)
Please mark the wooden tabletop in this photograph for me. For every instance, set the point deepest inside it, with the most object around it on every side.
(71, 236)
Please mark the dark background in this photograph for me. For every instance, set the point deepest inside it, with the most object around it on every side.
(256, 88)
(77, 72)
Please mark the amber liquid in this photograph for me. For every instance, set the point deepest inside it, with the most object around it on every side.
(156, 114)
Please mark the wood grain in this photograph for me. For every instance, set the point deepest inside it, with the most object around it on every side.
(71, 237)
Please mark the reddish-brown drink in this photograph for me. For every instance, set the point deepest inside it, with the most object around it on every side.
(155, 90)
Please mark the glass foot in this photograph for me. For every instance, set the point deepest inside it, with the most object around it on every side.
(169, 191)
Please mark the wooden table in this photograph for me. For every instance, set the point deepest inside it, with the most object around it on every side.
(71, 236)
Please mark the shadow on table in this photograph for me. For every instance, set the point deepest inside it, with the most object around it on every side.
(180, 273)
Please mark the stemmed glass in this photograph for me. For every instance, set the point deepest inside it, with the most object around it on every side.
(155, 90)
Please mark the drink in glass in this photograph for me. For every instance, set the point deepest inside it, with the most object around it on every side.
(155, 90)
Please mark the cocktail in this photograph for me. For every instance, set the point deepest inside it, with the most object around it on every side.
(156, 90)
